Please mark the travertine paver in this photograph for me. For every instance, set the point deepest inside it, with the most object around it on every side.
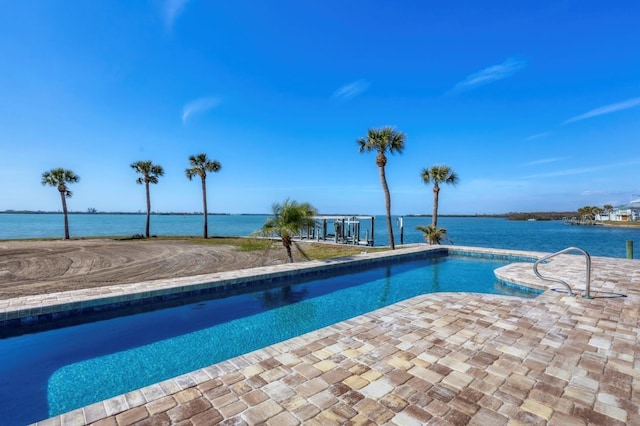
(445, 359)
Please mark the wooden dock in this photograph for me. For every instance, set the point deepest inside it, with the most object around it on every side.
(585, 222)
(342, 230)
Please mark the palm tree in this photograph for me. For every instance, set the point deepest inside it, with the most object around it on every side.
(200, 165)
(589, 213)
(59, 178)
(150, 173)
(433, 235)
(383, 140)
(438, 174)
(289, 219)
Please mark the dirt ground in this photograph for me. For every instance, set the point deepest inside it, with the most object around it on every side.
(37, 267)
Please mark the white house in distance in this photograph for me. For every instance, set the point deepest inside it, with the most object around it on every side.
(625, 213)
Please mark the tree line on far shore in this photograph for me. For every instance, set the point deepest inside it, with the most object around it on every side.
(290, 217)
(590, 212)
(538, 215)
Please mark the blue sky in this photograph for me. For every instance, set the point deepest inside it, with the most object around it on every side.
(535, 104)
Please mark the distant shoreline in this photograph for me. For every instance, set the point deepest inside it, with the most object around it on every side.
(621, 224)
(537, 216)
(504, 215)
(133, 213)
(233, 214)
(551, 215)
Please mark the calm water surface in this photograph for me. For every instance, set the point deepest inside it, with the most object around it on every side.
(548, 236)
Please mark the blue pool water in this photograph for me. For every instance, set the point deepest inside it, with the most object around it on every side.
(48, 373)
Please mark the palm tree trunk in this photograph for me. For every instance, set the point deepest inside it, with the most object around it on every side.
(205, 234)
(286, 242)
(146, 229)
(66, 218)
(434, 218)
(387, 200)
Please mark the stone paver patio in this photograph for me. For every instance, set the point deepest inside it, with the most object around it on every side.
(440, 359)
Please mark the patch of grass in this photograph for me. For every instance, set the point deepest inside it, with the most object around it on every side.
(255, 244)
(620, 224)
(312, 250)
(135, 237)
(321, 251)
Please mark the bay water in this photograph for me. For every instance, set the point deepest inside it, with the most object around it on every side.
(546, 236)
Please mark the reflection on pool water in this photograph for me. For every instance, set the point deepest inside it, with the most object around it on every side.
(48, 373)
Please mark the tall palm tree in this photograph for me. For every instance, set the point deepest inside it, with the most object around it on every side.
(200, 165)
(383, 140)
(438, 174)
(59, 178)
(150, 173)
(289, 219)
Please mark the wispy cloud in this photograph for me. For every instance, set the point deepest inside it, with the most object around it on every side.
(538, 136)
(198, 106)
(589, 193)
(544, 161)
(172, 10)
(607, 109)
(489, 75)
(583, 170)
(351, 90)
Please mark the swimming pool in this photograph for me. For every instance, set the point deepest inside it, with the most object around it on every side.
(89, 362)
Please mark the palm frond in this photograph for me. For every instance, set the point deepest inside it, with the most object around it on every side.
(440, 174)
(149, 171)
(59, 178)
(382, 140)
(433, 235)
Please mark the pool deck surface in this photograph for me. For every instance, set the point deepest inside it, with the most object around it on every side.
(438, 359)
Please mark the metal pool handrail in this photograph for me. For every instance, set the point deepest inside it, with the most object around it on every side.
(587, 292)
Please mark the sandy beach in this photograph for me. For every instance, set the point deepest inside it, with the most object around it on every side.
(37, 267)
